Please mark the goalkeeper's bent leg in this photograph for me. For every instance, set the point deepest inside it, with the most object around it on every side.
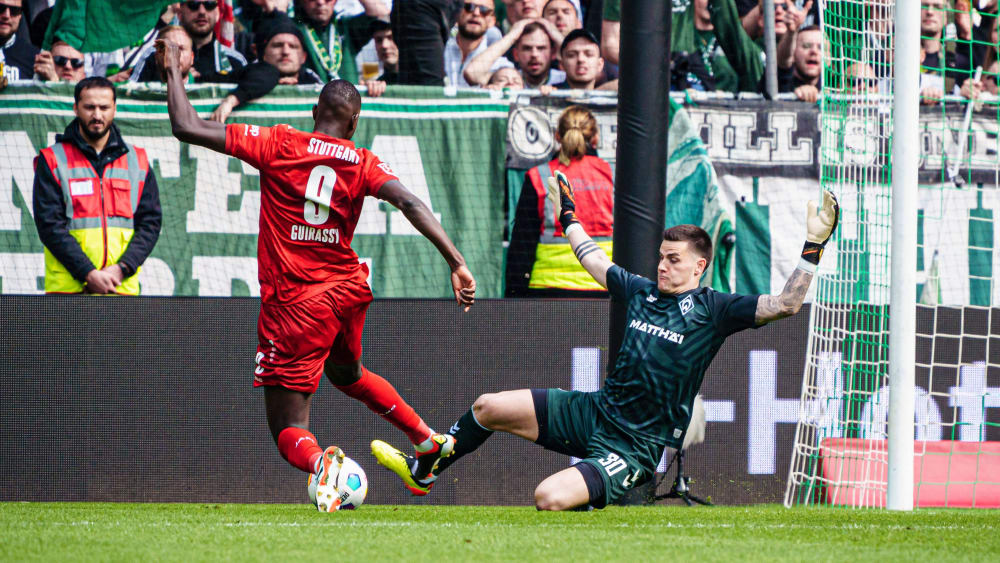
(469, 435)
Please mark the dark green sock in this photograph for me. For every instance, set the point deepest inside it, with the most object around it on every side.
(468, 434)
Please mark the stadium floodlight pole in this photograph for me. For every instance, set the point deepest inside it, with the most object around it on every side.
(641, 169)
(770, 52)
(903, 293)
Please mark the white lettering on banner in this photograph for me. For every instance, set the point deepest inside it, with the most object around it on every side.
(766, 411)
(16, 154)
(875, 414)
(214, 185)
(586, 374)
(404, 154)
(22, 273)
(940, 137)
(215, 274)
(973, 397)
(730, 133)
(156, 278)
(164, 151)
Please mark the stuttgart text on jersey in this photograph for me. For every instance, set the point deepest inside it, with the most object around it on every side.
(324, 148)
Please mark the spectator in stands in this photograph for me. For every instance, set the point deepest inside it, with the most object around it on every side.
(861, 78)
(333, 43)
(581, 61)
(562, 14)
(939, 76)
(282, 61)
(95, 199)
(540, 261)
(476, 23)
(983, 30)
(423, 26)
(972, 88)
(518, 10)
(213, 61)
(534, 43)
(16, 50)
(506, 77)
(253, 14)
(388, 56)
(146, 70)
(63, 62)
(804, 73)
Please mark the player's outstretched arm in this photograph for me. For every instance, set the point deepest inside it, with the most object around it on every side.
(184, 121)
(819, 228)
(591, 257)
(420, 217)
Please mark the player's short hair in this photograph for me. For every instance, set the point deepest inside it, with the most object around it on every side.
(340, 94)
(699, 240)
(94, 82)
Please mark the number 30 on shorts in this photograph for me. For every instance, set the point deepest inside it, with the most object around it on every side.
(613, 463)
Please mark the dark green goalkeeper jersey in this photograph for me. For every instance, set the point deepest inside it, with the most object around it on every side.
(669, 342)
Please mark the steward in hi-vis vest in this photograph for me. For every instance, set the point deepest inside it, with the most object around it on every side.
(97, 212)
(540, 260)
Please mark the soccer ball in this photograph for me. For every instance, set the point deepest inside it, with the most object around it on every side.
(351, 483)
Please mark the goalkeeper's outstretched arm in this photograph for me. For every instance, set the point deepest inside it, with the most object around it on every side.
(591, 256)
(819, 226)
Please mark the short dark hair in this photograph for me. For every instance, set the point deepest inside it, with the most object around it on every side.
(94, 82)
(701, 243)
(813, 27)
(532, 28)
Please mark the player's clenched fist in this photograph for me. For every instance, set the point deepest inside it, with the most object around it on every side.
(464, 285)
(820, 224)
(561, 193)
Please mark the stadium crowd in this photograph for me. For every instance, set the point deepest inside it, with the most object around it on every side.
(717, 45)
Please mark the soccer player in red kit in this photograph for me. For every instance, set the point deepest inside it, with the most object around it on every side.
(314, 293)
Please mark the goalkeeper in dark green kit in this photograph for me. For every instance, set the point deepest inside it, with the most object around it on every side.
(673, 330)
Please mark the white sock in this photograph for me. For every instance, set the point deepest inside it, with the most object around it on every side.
(425, 446)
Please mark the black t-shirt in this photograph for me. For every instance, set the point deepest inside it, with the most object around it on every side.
(18, 57)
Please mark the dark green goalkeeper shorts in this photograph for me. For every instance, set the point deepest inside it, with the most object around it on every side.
(612, 461)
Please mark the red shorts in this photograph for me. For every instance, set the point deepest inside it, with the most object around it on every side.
(295, 340)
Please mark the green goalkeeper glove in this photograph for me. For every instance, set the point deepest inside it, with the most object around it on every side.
(820, 225)
(561, 193)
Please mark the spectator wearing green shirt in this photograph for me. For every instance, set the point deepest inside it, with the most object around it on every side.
(333, 42)
(713, 30)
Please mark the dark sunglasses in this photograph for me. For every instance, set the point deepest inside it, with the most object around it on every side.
(473, 8)
(209, 6)
(13, 10)
(60, 60)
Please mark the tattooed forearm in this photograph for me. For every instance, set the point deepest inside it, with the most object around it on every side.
(774, 307)
(586, 248)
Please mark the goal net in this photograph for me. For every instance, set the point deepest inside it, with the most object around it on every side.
(840, 452)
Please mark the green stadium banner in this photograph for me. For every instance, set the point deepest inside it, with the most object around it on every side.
(447, 150)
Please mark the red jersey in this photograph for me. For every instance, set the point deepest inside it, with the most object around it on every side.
(312, 189)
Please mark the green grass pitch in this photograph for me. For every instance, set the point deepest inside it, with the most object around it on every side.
(213, 532)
